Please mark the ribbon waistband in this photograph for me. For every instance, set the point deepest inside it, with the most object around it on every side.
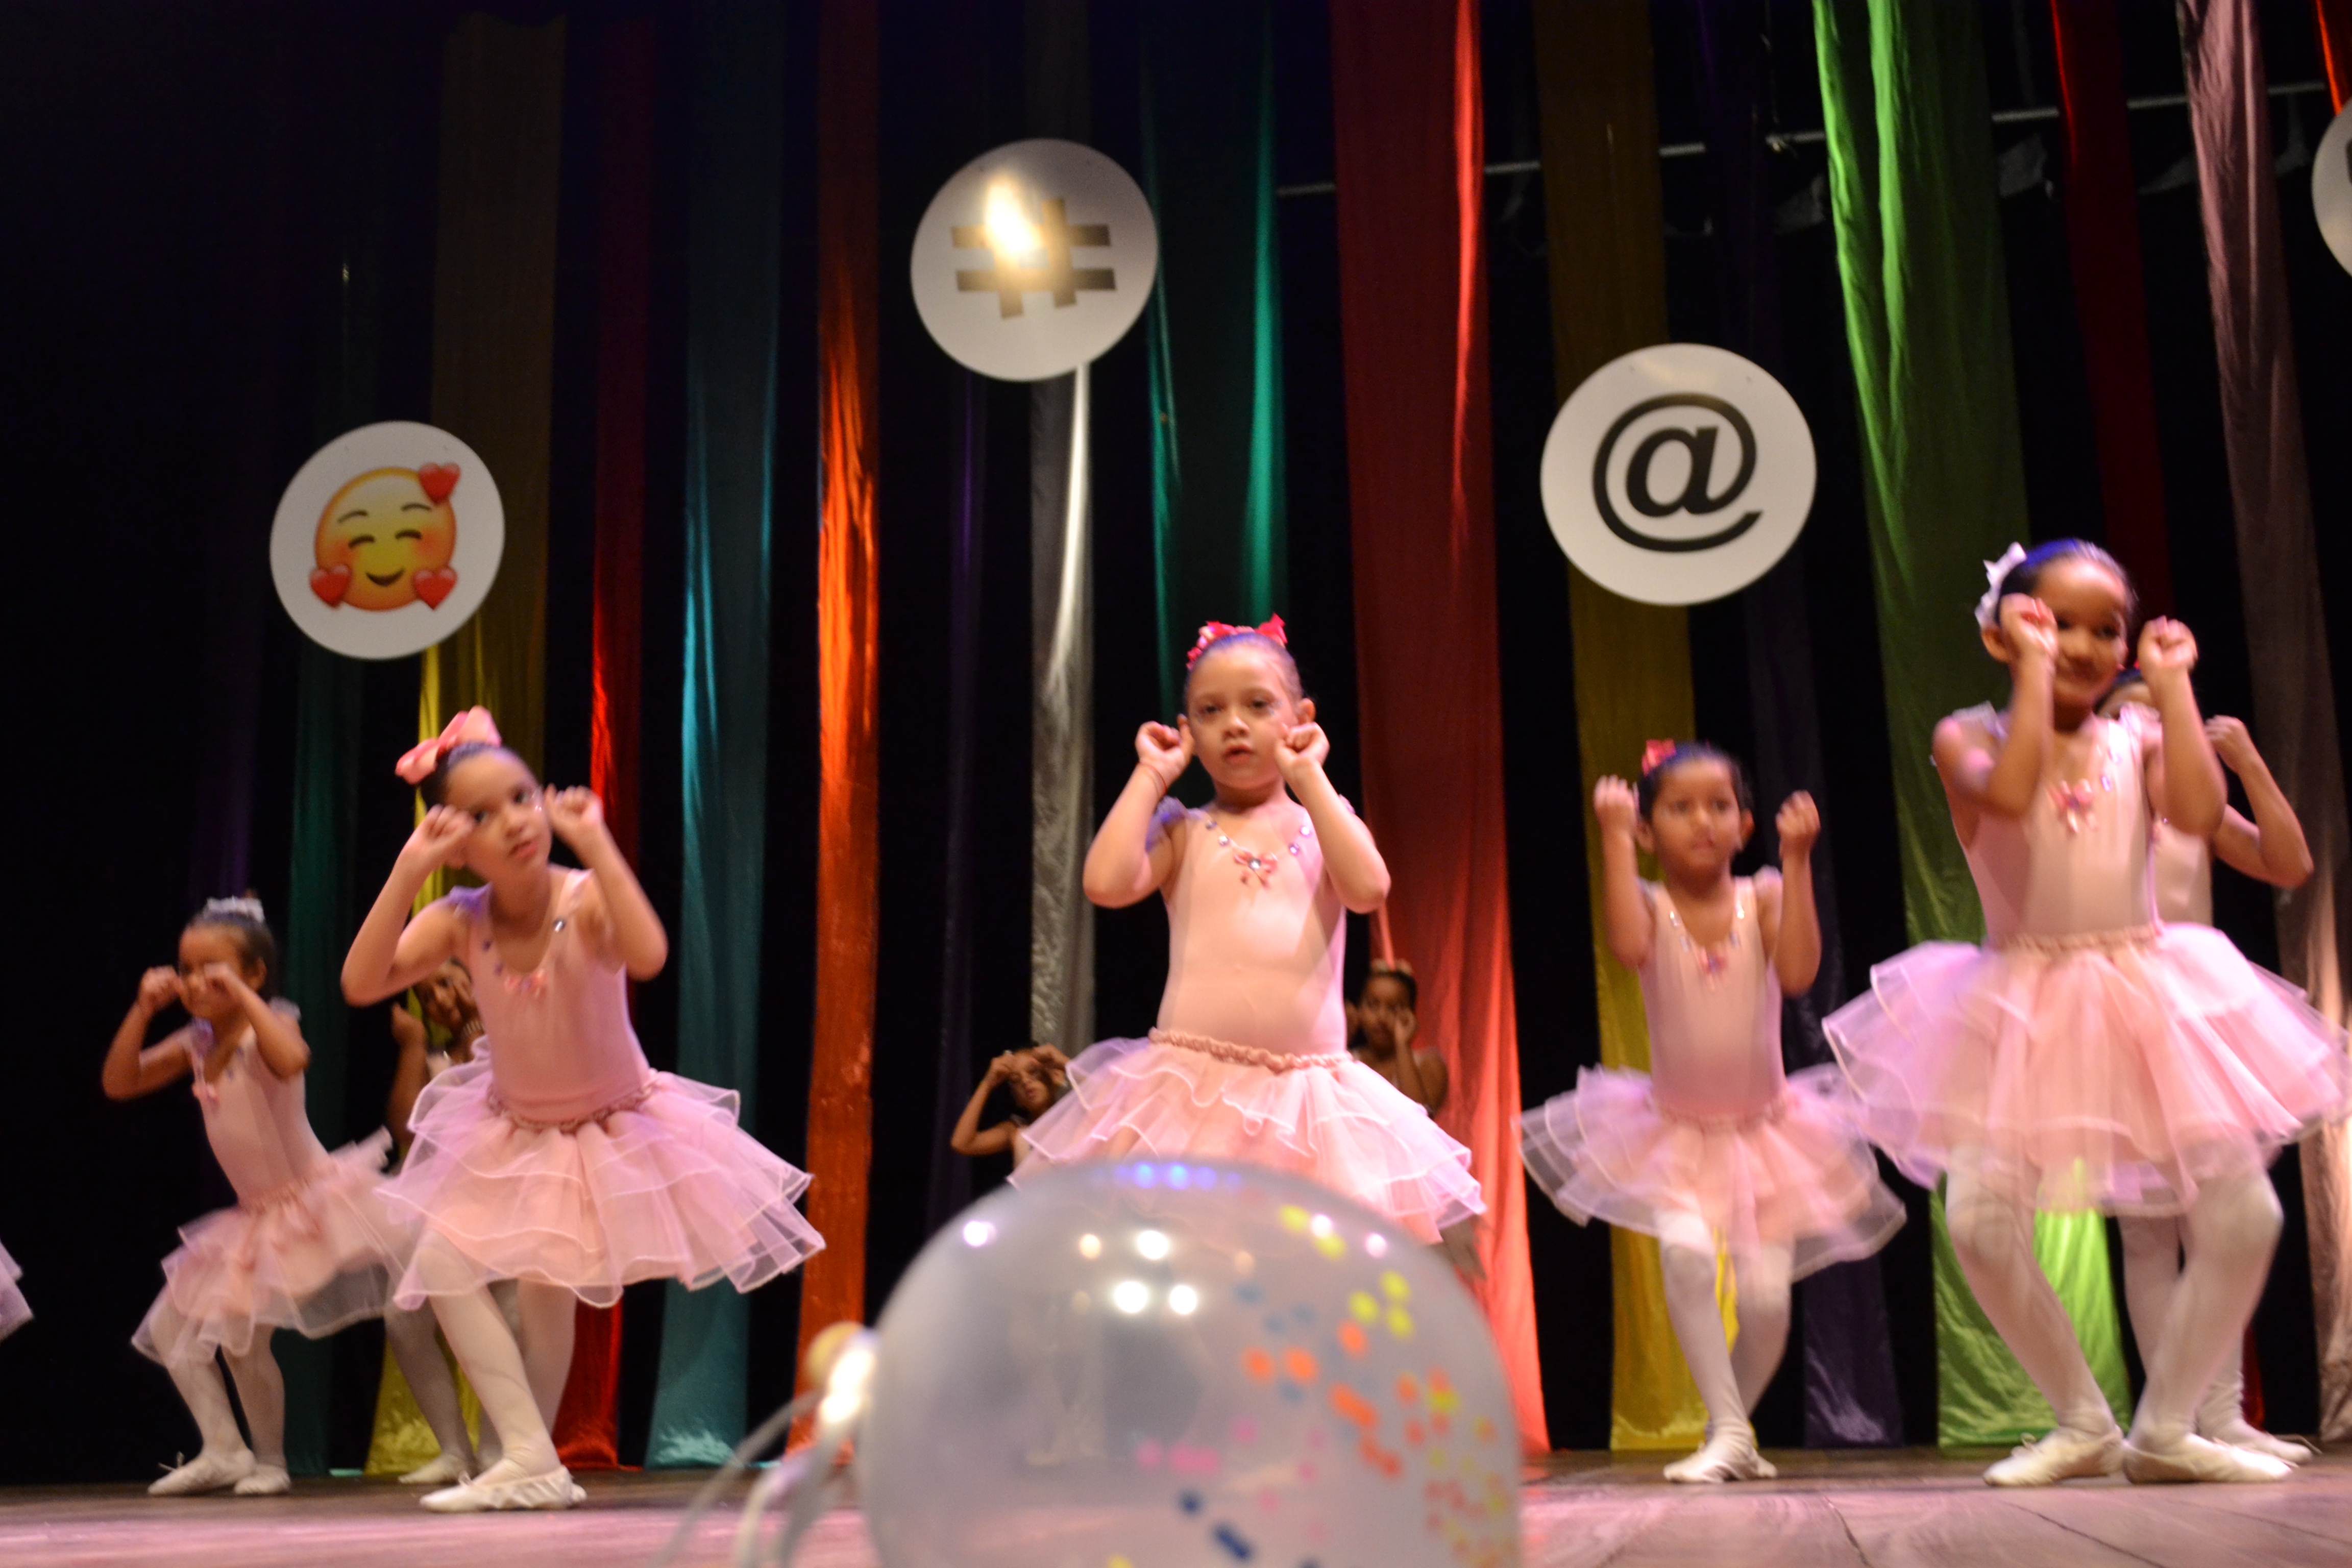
(2081, 941)
(628, 1102)
(1246, 1055)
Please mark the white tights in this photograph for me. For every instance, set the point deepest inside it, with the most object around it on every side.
(260, 1388)
(1730, 1378)
(2152, 1252)
(414, 1335)
(517, 1372)
(2230, 1234)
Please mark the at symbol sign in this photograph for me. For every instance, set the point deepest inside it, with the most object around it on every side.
(1699, 445)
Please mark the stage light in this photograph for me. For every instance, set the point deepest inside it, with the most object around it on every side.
(1130, 1295)
(1010, 232)
(1151, 1244)
(1090, 1245)
(1183, 1300)
(978, 1233)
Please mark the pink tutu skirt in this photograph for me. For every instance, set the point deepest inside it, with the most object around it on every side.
(1336, 1122)
(2117, 1075)
(314, 1257)
(1798, 1173)
(14, 1313)
(663, 1185)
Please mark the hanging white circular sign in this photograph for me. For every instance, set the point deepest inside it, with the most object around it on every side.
(1033, 260)
(1678, 474)
(387, 540)
(2331, 187)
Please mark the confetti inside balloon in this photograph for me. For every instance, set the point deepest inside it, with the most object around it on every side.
(1156, 1365)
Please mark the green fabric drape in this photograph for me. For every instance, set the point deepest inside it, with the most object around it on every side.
(1904, 98)
(317, 924)
(733, 241)
(1214, 331)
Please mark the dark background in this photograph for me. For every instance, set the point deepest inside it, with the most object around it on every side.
(181, 191)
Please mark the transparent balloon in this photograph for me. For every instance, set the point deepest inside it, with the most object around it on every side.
(1155, 1364)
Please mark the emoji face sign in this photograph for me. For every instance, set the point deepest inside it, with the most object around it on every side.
(368, 553)
(385, 540)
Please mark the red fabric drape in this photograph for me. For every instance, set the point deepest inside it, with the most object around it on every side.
(2335, 18)
(1406, 102)
(840, 1135)
(2102, 242)
(587, 1424)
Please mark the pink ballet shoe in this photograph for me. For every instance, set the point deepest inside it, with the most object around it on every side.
(206, 1472)
(2062, 1455)
(1728, 1456)
(2195, 1458)
(444, 1470)
(504, 1486)
(267, 1481)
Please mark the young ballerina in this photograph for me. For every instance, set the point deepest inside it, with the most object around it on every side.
(1249, 1060)
(1715, 1147)
(2087, 1057)
(2269, 848)
(567, 1165)
(14, 1312)
(1386, 1021)
(1035, 1079)
(307, 1247)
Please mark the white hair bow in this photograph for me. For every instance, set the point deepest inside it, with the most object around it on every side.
(1988, 607)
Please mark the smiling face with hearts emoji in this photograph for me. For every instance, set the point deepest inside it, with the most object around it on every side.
(386, 539)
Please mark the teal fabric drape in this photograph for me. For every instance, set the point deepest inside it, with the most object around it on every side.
(1214, 330)
(1911, 176)
(734, 221)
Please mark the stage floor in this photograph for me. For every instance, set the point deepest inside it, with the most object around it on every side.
(1883, 1510)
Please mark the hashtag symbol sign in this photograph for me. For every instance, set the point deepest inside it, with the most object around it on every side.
(1053, 274)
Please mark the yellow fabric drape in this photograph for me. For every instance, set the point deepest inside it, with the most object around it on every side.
(1606, 236)
(493, 382)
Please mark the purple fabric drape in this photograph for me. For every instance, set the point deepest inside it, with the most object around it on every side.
(2270, 492)
(1851, 1398)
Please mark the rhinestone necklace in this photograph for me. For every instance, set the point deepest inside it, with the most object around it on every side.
(1254, 864)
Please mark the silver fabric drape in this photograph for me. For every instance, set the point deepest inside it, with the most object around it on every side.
(1061, 743)
(2278, 563)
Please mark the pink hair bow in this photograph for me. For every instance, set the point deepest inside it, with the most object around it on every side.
(472, 728)
(1656, 751)
(1215, 629)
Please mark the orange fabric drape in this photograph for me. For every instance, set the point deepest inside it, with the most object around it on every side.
(2335, 18)
(840, 1115)
(1406, 100)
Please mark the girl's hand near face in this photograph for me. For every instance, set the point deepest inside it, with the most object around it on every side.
(1798, 825)
(1166, 752)
(1615, 806)
(576, 814)
(2031, 628)
(2168, 651)
(1302, 754)
(439, 840)
(158, 989)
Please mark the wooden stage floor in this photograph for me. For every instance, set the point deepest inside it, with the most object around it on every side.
(1882, 1509)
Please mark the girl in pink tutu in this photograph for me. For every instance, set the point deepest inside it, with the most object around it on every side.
(2269, 847)
(1715, 1147)
(2088, 1056)
(562, 1162)
(1250, 1060)
(307, 1246)
(14, 1313)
